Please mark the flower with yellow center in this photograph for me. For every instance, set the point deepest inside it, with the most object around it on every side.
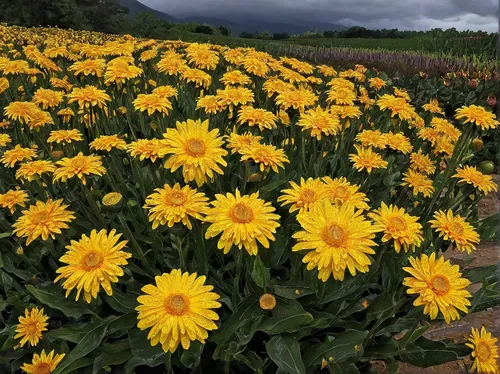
(43, 363)
(88, 96)
(166, 91)
(429, 134)
(255, 66)
(257, 117)
(178, 308)
(66, 114)
(367, 159)
(108, 142)
(60, 83)
(29, 170)
(145, 149)
(327, 71)
(337, 238)
(433, 107)
(202, 57)
(169, 205)
(88, 67)
(171, 63)
(267, 301)
(439, 286)
(152, 103)
(341, 192)
(4, 140)
(397, 106)
(4, 85)
(47, 98)
(21, 111)
(337, 83)
(79, 166)
(64, 136)
(12, 198)
(478, 116)
(119, 72)
(43, 219)
(422, 163)
(242, 220)
(345, 111)
(198, 77)
(455, 229)
(237, 142)
(445, 127)
(377, 83)
(296, 98)
(472, 176)
(284, 117)
(39, 118)
(93, 262)
(17, 154)
(234, 78)
(209, 103)
(372, 138)
(444, 146)
(234, 96)
(419, 182)
(274, 86)
(484, 351)
(401, 92)
(31, 326)
(399, 226)
(268, 156)
(194, 148)
(320, 122)
(303, 196)
(398, 142)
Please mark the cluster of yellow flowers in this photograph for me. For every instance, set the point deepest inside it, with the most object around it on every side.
(204, 110)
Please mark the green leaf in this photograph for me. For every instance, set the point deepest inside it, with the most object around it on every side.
(342, 368)
(287, 316)
(291, 289)
(260, 274)
(5, 235)
(141, 348)
(285, 353)
(191, 357)
(120, 302)
(425, 353)
(113, 354)
(347, 346)
(73, 334)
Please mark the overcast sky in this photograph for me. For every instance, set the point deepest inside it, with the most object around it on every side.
(402, 14)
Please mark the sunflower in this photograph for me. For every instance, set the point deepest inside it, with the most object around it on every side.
(194, 148)
(178, 308)
(439, 286)
(108, 142)
(341, 192)
(43, 363)
(296, 98)
(422, 163)
(398, 142)
(257, 117)
(12, 198)
(47, 98)
(419, 182)
(265, 155)
(80, 166)
(320, 122)
(484, 350)
(145, 149)
(64, 136)
(169, 205)
(242, 220)
(88, 96)
(31, 326)
(43, 219)
(303, 196)
(209, 103)
(337, 237)
(93, 262)
(472, 176)
(17, 154)
(367, 159)
(398, 225)
(478, 116)
(152, 103)
(455, 229)
(237, 142)
(234, 78)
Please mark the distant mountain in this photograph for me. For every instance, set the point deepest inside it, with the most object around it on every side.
(236, 25)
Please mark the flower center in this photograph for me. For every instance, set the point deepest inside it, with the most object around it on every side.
(176, 304)
(242, 213)
(334, 235)
(93, 260)
(32, 328)
(79, 164)
(43, 368)
(40, 217)
(440, 285)
(308, 196)
(456, 228)
(397, 223)
(196, 147)
(341, 192)
(176, 198)
(483, 351)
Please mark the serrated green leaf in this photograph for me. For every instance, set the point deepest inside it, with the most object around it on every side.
(285, 353)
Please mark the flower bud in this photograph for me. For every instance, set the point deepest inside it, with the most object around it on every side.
(267, 301)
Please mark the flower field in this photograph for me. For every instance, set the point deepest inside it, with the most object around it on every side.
(177, 207)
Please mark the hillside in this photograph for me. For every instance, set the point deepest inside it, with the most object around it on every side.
(135, 7)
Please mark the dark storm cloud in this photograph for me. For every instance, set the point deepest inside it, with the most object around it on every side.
(404, 14)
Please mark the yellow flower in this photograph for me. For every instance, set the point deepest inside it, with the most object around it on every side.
(198, 77)
(194, 148)
(297, 98)
(31, 326)
(28, 170)
(341, 192)
(88, 96)
(401, 92)
(439, 286)
(284, 117)
(152, 103)
(166, 91)
(145, 149)
(257, 117)
(341, 96)
(422, 163)
(445, 127)
(397, 105)
(320, 122)
(171, 63)
(80, 166)
(478, 116)
(93, 262)
(12, 198)
(419, 182)
(242, 220)
(43, 363)
(265, 155)
(88, 67)
(267, 301)
(372, 138)
(367, 159)
(21, 111)
(398, 142)
(66, 114)
(455, 229)
(107, 142)
(377, 83)
(433, 107)
(234, 96)
(429, 134)
(178, 308)
(303, 196)
(484, 350)
(17, 154)
(345, 111)
(235, 77)
(201, 56)
(237, 142)
(472, 176)
(209, 103)
(47, 98)
(255, 66)
(39, 118)
(337, 238)
(120, 71)
(43, 219)
(4, 85)
(65, 136)
(399, 226)
(169, 205)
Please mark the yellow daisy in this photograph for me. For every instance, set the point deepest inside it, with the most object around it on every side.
(265, 155)
(79, 166)
(484, 351)
(257, 117)
(30, 169)
(108, 142)
(422, 163)
(17, 154)
(209, 103)
(65, 136)
(47, 98)
(31, 326)
(43, 363)
(478, 116)
(472, 176)
(237, 142)
(152, 103)
(88, 96)
(433, 107)
(419, 182)
(372, 138)
(367, 159)
(12, 198)
(303, 196)
(4, 140)
(320, 122)
(341, 192)
(455, 229)
(398, 142)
